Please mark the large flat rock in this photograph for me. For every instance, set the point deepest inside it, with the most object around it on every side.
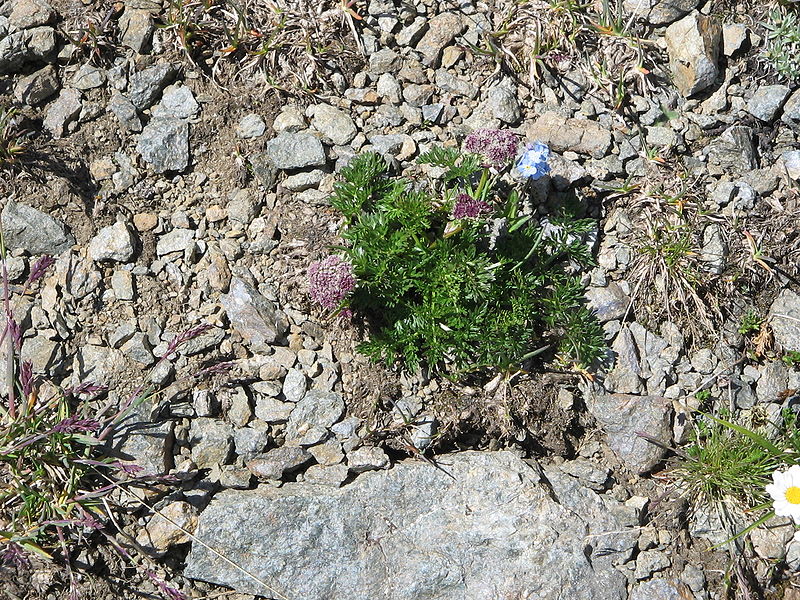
(495, 529)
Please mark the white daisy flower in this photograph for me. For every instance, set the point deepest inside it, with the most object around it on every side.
(785, 491)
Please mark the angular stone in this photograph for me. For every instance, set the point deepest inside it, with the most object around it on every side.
(733, 150)
(211, 442)
(63, 111)
(622, 415)
(122, 284)
(38, 86)
(791, 110)
(177, 102)
(138, 348)
(503, 104)
(125, 112)
(146, 85)
(171, 525)
(30, 45)
(384, 61)
(276, 462)
(660, 12)
(272, 410)
(164, 144)
(144, 442)
(112, 243)
(389, 88)
(576, 135)
(649, 562)
(335, 124)
(34, 231)
(313, 416)
(767, 102)
(608, 302)
(289, 120)
(327, 454)
(88, 77)
(784, 318)
(249, 441)
(626, 376)
(331, 475)
(257, 319)
(450, 83)
(177, 240)
(136, 29)
(693, 45)
(442, 29)
(251, 126)
(791, 162)
(46, 356)
(734, 35)
(396, 535)
(296, 151)
(367, 458)
(294, 385)
(26, 14)
(418, 95)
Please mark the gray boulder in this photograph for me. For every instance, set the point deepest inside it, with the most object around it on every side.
(146, 85)
(164, 143)
(313, 416)
(767, 102)
(335, 124)
(63, 111)
(38, 86)
(623, 417)
(784, 318)
(257, 319)
(660, 12)
(295, 151)
(693, 45)
(26, 14)
(495, 529)
(34, 231)
(112, 243)
(28, 45)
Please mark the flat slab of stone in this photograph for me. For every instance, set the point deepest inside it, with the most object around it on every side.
(490, 531)
(784, 318)
(577, 135)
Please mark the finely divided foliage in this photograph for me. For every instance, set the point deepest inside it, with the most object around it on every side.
(451, 273)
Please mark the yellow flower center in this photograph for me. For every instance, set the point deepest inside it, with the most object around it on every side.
(793, 495)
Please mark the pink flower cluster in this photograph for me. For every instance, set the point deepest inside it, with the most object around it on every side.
(468, 207)
(498, 146)
(330, 280)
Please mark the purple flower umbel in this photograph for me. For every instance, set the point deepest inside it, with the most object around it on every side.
(468, 207)
(330, 280)
(498, 146)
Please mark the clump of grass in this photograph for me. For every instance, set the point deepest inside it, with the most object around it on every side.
(456, 272)
(731, 461)
(96, 37)
(11, 138)
(55, 475)
(667, 271)
(291, 45)
(723, 463)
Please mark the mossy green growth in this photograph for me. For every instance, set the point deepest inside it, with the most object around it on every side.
(461, 293)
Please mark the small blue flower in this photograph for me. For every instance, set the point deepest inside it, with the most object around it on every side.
(533, 162)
